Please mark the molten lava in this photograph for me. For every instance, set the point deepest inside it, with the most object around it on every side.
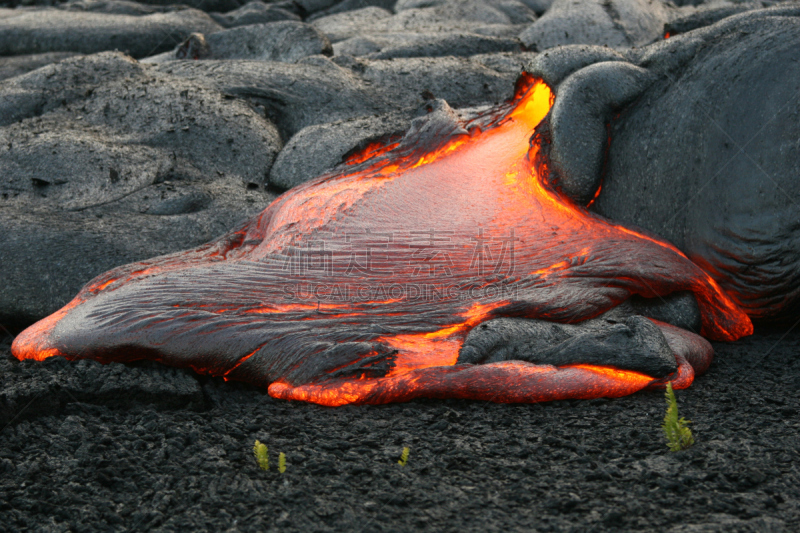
(361, 285)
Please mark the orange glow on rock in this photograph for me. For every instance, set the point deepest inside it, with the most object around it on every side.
(372, 149)
(507, 382)
(627, 376)
(35, 343)
(361, 285)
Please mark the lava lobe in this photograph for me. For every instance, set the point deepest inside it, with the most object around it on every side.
(363, 285)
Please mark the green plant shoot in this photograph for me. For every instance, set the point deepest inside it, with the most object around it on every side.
(282, 463)
(403, 457)
(262, 455)
(679, 436)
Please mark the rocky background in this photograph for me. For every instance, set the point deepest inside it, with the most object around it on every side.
(129, 130)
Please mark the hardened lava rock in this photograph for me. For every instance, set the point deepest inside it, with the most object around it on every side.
(693, 139)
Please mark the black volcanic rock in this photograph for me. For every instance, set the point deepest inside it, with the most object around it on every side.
(502, 18)
(132, 163)
(554, 65)
(352, 5)
(504, 62)
(310, 7)
(319, 148)
(11, 66)
(486, 11)
(222, 6)
(278, 41)
(56, 30)
(724, 126)
(392, 45)
(587, 101)
(341, 26)
(98, 461)
(614, 23)
(24, 387)
(255, 12)
(54, 86)
(117, 7)
(701, 147)
(705, 15)
(317, 90)
(285, 41)
(538, 6)
(296, 95)
(85, 446)
(460, 81)
(310, 99)
(633, 343)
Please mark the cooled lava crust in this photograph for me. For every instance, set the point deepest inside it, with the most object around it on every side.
(362, 285)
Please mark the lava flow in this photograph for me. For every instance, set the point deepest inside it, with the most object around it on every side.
(361, 285)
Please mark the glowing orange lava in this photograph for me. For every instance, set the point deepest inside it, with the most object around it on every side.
(361, 285)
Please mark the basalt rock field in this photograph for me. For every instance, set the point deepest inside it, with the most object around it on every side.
(130, 129)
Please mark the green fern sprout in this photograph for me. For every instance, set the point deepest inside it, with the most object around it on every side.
(679, 436)
(282, 463)
(262, 455)
(403, 457)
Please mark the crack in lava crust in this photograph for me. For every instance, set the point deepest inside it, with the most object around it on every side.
(313, 297)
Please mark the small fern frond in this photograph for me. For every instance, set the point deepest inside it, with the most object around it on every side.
(403, 457)
(676, 430)
(262, 455)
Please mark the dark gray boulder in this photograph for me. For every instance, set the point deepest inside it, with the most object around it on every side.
(117, 7)
(363, 46)
(296, 95)
(17, 65)
(319, 148)
(341, 26)
(394, 45)
(486, 11)
(460, 81)
(554, 65)
(222, 6)
(317, 90)
(485, 18)
(500, 18)
(538, 6)
(310, 7)
(56, 30)
(133, 163)
(701, 149)
(614, 23)
(633, 343)
(276, 41)
(255, 12)
(352, 5)
(705, 15)
(586, 103)
(508, 63)
(720, 161)
(54, 86)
